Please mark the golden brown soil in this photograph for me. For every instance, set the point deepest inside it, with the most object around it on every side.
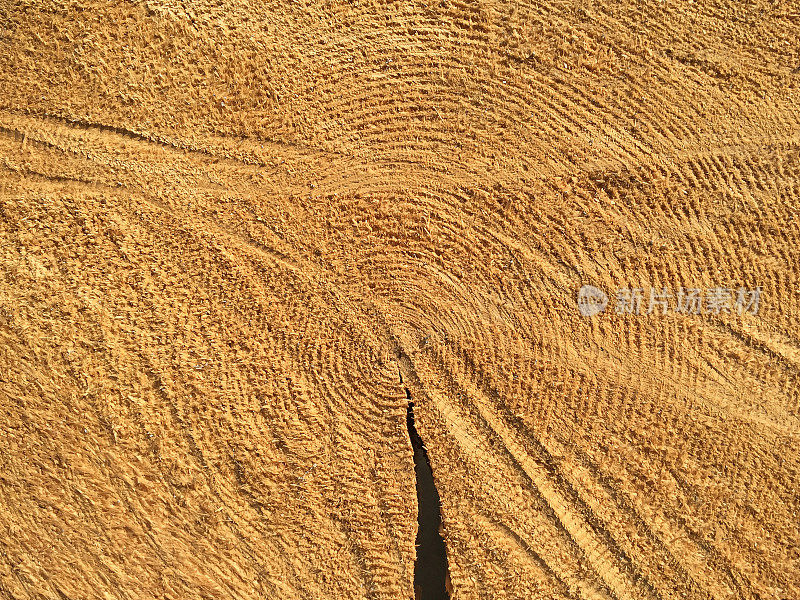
(227, 229)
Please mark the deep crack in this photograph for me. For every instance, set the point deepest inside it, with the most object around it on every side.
(431, 577)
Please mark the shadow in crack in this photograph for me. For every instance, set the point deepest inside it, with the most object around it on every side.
(431, 578)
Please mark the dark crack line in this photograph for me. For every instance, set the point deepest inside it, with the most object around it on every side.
(431, 576)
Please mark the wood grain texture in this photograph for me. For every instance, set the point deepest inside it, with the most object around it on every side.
(232, 234)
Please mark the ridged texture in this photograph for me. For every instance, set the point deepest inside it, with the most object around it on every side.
(227, 231)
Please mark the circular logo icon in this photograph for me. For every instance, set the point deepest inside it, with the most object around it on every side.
(591, 301)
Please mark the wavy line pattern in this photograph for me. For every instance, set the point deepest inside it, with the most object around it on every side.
(227, 227)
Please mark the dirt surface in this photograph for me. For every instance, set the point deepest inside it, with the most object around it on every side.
(229, 229)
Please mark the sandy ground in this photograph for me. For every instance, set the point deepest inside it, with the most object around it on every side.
(232, 234)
